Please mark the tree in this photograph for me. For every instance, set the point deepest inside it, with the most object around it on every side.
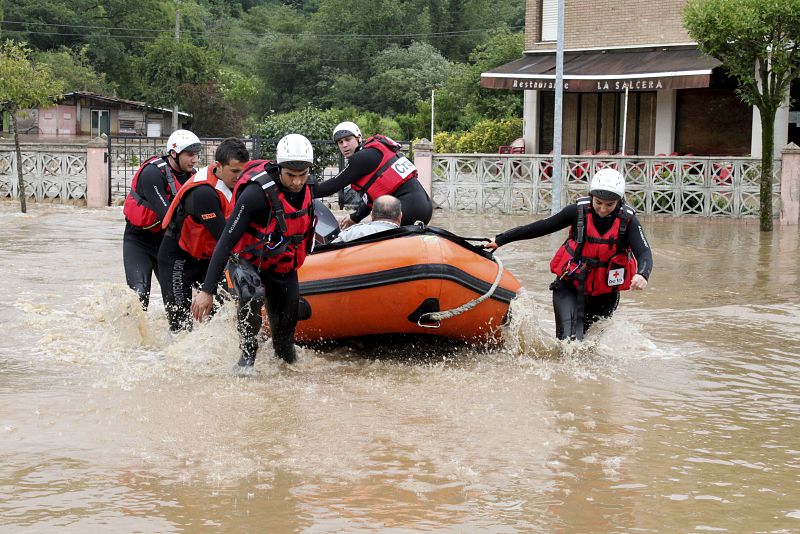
(23, 85)
(308, 121)
(212, 115)
(74, 69)
(117, 45)
(758, 43)
(241, 91)
(402, 76)
(47, 23)
(460, 100)
(169, 63)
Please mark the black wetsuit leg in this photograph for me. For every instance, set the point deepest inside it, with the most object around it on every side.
(600, 306)
(565, 308)
(140, 259)
(248, 323)
(178, 273)
(415, 203)
(283, 296)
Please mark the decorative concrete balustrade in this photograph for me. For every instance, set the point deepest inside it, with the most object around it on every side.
(51, 171)
(657, 185)
(500, 183)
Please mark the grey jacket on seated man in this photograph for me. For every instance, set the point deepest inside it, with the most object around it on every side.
(386, 215)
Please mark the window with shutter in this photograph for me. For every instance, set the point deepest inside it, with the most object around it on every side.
(549, 20)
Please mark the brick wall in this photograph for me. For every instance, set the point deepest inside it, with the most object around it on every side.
(604, 23)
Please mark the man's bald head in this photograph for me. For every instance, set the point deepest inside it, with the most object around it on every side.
(387, 208)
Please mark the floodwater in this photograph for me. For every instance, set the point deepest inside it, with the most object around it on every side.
(680, 414)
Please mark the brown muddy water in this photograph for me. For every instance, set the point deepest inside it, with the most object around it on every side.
(679, 414)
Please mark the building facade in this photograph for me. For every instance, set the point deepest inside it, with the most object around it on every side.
(85, 114)
(634, 83)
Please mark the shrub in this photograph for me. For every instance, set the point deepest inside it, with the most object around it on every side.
(315, 124)
(484, 138)
(445, 142)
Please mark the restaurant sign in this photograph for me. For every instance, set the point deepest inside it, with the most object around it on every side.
(585, 85)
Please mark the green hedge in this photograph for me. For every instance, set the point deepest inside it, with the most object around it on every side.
(484, 138)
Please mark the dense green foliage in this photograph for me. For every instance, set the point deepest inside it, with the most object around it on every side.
(375, 61)
(758, 43)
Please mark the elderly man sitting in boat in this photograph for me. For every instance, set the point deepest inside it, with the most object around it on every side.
(386, 215)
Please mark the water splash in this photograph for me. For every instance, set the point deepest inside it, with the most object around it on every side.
(526, 335)
(616, 339)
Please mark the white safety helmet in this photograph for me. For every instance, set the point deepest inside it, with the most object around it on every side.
(181, 140)
(345, 129)
(607, 184)
(295, 152)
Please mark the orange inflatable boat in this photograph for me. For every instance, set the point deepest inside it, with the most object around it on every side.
(411, 280)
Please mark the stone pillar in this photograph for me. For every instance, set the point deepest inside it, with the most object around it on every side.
(423, 161)
(530, 121)
(97, 173)
(665, 122)
(790, 185)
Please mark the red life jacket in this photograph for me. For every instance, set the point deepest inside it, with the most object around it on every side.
(194, 237)
(138, 211)
(282, 243)
(393, 171)
(592, 261)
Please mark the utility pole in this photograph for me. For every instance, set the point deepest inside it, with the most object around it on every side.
(433, 91)
(558, 112)
(177, 40)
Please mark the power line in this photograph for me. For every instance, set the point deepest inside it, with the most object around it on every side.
(205, 33)
(63, 34)
(37, 23)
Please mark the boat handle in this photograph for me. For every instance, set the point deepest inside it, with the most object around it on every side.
(429, 325)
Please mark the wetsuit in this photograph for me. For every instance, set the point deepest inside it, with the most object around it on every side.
(140, 246)
(414, 200)
(179, 271)
(565, 294)
(282, 289)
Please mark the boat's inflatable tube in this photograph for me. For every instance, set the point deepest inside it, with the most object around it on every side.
(388, 282)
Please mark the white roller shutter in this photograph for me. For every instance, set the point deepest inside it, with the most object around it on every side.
(549, 20)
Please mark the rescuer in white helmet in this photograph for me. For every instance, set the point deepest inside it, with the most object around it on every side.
(268, 234)
(194, 222)
(376, 167)
(153, 187)
(606, 252)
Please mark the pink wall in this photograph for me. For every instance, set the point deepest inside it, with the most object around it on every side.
(57, 120)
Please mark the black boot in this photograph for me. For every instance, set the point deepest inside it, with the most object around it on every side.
(249, 348)
(284, 348)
